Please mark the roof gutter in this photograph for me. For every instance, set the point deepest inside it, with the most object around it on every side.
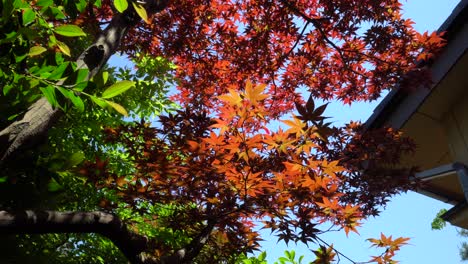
(394, 100)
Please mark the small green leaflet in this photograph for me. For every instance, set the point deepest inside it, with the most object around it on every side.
(102, 103)
(75, 159)
(69, 31)
(64, 48)
(36, 50)
(76, 100)
(45, 3)
(117, 88)
(54, 186)
(49, 93)
(28, 16)
(117, 108)
(141, 12)
(121, 5)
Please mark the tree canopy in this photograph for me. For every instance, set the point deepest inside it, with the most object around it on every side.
(241, 144)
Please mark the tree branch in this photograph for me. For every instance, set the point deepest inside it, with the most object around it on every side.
(188, 253)
(41, 222)
(132, 245)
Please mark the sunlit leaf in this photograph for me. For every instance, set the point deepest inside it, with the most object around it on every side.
(121, 5)
(36, 50)
(69, 31)
(117, 88)
(141, 11)
(64, 48)
(120, 109)
(28, 16)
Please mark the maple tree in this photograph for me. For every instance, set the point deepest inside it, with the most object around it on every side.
(196, 187)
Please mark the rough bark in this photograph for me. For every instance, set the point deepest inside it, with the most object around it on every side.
(40, 117)
(42, 222)
(132, 245)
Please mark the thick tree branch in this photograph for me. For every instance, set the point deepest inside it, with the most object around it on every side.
(41, 222)
(132, 245)
(188, 253)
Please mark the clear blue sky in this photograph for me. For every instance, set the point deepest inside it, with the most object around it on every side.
(408, 215)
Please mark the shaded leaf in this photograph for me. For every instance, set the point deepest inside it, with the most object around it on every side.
(75, 159)
(76, 100)
(49, 93)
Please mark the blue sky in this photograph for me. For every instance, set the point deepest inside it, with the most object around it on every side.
(408, 215)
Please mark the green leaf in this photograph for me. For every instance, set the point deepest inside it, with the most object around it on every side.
(69, 31)
(7, 9)
(28, 16)
(262, 256)
(81, 5)
(57, 12)
(3, 179)
(79, 87)
(81, 75)
(75, 159)
(117, 88)
(64, 48)
(13, 117)
(100, 79)
(58, 72)
(141, 11)
(36, 50)
(20, 4)
(98, 3)
(76, 100)
(121, 5)
(117, 107)
(438, 223)
(7, 88)
(102, 103)
(45, 3)
(49, 93)
(54, 186)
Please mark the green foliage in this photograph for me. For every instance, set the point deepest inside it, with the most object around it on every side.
(36, 59)
(289, 257)
(121, 5)
(69, 31)
(242, 259)
(438, 223)
(464, 245)
(117, 88)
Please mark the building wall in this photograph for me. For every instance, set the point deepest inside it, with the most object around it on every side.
(456, 126)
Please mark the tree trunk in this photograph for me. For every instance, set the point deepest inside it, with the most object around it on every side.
(40, 117)
(43, 222)
(132, 245)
